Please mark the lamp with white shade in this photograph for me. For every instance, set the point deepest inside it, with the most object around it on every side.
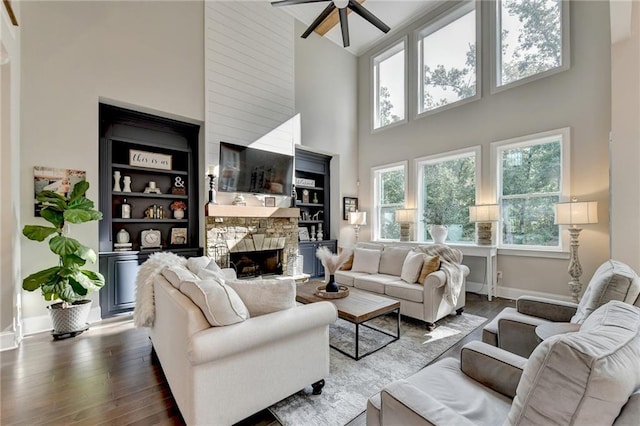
(357, 219)
(484, 215)
(405, 217)
(572, 214)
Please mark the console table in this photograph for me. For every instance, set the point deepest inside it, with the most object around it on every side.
(490, 255)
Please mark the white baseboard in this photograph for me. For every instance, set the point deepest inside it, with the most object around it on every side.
(8, 341)
(42, 323)
(514, 293)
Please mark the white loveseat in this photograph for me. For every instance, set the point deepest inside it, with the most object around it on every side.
(424, 301)
(220, 375)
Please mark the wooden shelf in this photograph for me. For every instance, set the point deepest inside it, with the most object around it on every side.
(143, 195)
(149, 170)
(147, 220)
(313, 188)
(309, 204)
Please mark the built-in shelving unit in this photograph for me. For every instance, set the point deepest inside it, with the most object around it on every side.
(152, 192)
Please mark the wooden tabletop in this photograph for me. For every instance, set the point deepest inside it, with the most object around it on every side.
(358, 307)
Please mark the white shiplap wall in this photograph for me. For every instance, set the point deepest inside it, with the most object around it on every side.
(249, 76)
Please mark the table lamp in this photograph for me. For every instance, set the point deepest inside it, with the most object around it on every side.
(484, 215)
(405, 217)
(572, 214)
(357, 219)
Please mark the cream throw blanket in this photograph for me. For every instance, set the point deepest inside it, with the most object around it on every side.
(145, 311)
(450, 260)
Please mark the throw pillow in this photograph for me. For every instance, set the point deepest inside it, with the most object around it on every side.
(429, 264)
(175, 274)
(205, 268)
(412, 267)
(265, 296)
(366, 260)
(346, 266)
(392, 259)
(219, 303)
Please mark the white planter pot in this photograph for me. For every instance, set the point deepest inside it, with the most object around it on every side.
(73, 318)
(438, 233)
(178, 214)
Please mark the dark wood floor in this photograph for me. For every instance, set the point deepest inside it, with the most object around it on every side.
(109, 376)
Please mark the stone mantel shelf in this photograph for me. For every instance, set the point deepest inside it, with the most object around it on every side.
(253, 211)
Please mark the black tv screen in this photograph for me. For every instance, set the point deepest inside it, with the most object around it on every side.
(245, 169)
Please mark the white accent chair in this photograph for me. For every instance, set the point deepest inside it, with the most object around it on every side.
(589, 377)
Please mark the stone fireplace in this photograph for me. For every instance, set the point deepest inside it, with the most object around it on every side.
(253, 240)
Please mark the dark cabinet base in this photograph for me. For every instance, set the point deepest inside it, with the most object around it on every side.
(310, 263)
(120, 271)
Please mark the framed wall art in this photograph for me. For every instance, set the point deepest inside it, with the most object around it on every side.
(269, 201)
(178, 236)
(60, 181)
(349, 204)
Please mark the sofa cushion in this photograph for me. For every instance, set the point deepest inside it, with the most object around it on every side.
(402, 290)
(392, 259)
(366, 260)
(265, 296)
(429, 264)
(175, 274)
(613, 280)
(219, 303)
(596, 368)
(348, 264)
(205, 268)
(347, 277)
(411, 267)
(374, 283)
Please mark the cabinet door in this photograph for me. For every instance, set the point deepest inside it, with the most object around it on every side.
(308, 252)
(119, 292)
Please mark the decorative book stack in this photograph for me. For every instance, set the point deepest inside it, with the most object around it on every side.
(122, 246)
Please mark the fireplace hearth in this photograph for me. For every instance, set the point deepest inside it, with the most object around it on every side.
(257, 263)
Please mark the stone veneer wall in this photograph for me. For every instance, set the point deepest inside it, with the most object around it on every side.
(230, 231)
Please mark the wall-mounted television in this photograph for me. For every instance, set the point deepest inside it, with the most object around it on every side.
(246, 169)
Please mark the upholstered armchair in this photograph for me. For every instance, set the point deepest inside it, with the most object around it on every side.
(588, 377)
(513, 329)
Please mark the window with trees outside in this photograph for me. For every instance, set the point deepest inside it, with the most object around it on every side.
(389, 86)
(446, 189)
(531, 38)
(447, 59)
(389, 190)
(531, 175)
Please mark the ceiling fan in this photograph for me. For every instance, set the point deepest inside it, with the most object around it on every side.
(342, 6)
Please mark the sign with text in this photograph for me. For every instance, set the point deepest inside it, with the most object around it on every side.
(151, 160)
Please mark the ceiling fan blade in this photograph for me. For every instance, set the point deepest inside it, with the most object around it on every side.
(319, 19)
(292, 2)
(344, 26)
(362, 11)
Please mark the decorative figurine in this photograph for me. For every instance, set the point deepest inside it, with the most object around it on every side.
(126, 210)
(127, 184)
(178, 186)
(116, 182)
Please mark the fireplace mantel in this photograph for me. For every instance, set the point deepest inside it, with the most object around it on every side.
(253, 211)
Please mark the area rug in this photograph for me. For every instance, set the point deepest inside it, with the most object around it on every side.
(351, 383)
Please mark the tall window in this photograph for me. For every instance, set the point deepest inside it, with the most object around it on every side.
(447, 187)
(389, 86)
(389, 187)
(447, 59)
(531, 179)
(530, 38)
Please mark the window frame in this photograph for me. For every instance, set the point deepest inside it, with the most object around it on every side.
(439, 158)
(375, 195)
(436, 23)
(386, 52)
(496, 57)
(565, 185)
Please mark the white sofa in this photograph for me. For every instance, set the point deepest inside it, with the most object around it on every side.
(221, 375)
(425, 302)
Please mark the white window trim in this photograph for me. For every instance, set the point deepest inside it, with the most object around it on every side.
(375, 220)
(386, 52)
(497, 57)
(437, 158)
(565, 184)
(434, 25)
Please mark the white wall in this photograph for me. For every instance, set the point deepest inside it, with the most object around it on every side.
(10, 333)
(74, 54)
(326, 99)
(578, 98)
(625, 146)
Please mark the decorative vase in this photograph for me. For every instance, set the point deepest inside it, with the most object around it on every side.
(116, 181)
(331, 287)
(126, 181)
(123, 237)
(178, 214)
(438, 233)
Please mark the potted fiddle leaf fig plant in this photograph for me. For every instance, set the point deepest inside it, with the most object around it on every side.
(67, 281)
